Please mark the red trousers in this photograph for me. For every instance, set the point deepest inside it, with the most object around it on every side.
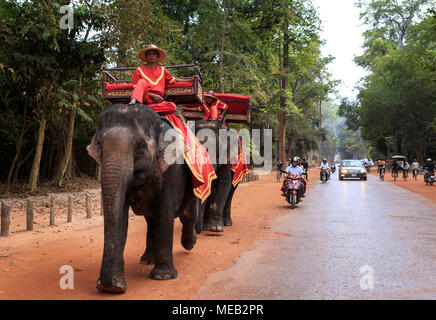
(140, 93)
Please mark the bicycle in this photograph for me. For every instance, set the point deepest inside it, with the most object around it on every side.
(405, 174)
(279, 176)
(382, 173)
(395, 175)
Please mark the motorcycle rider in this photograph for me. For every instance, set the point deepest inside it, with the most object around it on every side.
(415, 167)
(428, 168)
(279, 169)
(405, 166)
(294, 168)
(333, 166)
(395, 166)
(381, 167)
(305, 168)
(324, 165)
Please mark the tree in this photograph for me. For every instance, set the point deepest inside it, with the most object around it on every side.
(392, 16)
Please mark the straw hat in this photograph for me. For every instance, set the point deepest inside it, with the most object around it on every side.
(210, 94)
(143, 52)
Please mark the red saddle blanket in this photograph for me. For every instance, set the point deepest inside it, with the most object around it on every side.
(197, 158)
(239, 165)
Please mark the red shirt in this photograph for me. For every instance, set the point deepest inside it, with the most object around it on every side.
(157, 78)
(213, 111)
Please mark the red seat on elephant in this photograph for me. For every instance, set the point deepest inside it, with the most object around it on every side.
(238, 103)
(119, 86)
(179, 85)
(129, 86)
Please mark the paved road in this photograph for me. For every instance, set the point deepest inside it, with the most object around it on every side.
(343, 232)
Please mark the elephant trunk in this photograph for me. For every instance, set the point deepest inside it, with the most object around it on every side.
(116, 175)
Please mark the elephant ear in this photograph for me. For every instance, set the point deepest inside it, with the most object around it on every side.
(94, 150)
(166, 151)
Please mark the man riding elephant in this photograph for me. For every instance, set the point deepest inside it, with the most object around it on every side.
(150, 79)
(213, 108)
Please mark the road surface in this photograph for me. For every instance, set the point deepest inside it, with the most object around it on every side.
(347, 240)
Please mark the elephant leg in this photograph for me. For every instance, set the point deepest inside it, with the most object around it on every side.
(200, 216)
(214, 215)
(112, 270)
(188, 219)
(226, 214)
(148, 256)
(163, 245)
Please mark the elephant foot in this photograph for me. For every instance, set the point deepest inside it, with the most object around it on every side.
(117, 286)
(164, 272)
(198, 228)
(214, 226)
(147, 257)
(188, 242)
(228, 221)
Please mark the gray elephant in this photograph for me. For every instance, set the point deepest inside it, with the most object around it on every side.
(129, 145)
(214, 213)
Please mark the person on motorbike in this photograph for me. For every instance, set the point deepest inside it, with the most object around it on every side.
(381, 167)
(395, 166)
(279, 169)
(428, 168)
(305, 168)
(415, 168)
(405, 166)
(333, 166)
(324, 166)
(294, 168)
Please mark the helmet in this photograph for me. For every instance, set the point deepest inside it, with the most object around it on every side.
(429, 159)
(324, 159)
(294, 159)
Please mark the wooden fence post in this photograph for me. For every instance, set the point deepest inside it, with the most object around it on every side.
(88, 206)
(5, 219)
(101, 203)
(52, 211)
(70, 208)
(29, 214)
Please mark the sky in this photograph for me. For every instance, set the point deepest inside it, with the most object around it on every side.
(342, 31)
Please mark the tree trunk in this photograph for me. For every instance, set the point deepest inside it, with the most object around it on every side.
(34, 174)
(320, 127)
(18, 146)
(67, 155)
(284, 80)
(223, 35)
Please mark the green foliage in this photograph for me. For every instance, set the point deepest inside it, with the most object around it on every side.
(396, 105)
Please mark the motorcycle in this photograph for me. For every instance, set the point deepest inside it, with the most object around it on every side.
(324, 175)
(381, 171)
(305, 173)
(428, 177)
(293, 186)
(333, 169)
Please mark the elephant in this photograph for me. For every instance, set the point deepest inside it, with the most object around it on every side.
(129, 145)
(214, 214)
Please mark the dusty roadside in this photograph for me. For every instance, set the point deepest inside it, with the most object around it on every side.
(417, 186)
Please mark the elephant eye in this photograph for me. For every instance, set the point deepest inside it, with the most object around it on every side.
(140, 148)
